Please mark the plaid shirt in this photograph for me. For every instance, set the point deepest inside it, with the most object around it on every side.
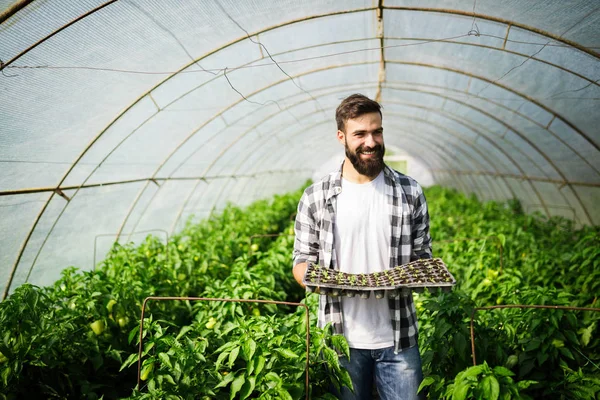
(410, 240)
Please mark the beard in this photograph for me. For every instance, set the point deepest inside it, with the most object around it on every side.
(370, 167)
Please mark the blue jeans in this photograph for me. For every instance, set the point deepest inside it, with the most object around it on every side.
(397, 376)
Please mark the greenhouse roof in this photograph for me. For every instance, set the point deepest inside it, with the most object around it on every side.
(125, 117)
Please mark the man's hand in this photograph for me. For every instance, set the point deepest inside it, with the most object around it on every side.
(299, 272)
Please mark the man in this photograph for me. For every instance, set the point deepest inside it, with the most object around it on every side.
(366, 217)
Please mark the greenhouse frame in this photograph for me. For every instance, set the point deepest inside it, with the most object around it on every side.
(124, 118)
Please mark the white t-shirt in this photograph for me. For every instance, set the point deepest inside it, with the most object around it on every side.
(362, 235)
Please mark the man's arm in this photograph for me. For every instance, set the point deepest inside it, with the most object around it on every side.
(306, 244)
(420, 227)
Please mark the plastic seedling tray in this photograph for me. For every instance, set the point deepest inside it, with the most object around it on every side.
(416, 275)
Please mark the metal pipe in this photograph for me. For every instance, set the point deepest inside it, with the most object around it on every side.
(13, 9)
(475, 309)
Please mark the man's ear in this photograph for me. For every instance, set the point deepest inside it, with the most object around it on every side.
(340, 136)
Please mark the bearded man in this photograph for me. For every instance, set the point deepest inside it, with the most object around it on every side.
(364, 218)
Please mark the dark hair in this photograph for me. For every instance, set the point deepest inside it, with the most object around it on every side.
(354, 106)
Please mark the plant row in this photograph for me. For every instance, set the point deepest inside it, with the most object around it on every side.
(78, 338)
(501, 256)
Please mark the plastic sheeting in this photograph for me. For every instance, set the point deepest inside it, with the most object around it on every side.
(126, 117)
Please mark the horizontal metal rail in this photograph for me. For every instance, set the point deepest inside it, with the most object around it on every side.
(155, 180)
(519, 306)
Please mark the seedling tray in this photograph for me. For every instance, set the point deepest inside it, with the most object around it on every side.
(424, 273)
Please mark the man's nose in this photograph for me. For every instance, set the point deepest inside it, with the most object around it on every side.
(369, 141)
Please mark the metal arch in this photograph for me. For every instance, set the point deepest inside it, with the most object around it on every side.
(367, 9)
(13, 271)
(500, 20)
(454, 145)
(464, 186)
(216, 158)
(498, 120)
(456, 135)
(320, 16)
(502, 50)
(584, 159)
(575, 194)
(494, 145)
(475, 129)
(243, 134)
(534, 146)
(380, 8)
(13, 9)
(297, 143)
(473, 161)
(502, 86)
(82, 16)
(351, 64)
(463, 151)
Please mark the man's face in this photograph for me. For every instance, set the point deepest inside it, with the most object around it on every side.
(363, 141)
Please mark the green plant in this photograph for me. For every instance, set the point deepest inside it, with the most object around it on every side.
(480, 382)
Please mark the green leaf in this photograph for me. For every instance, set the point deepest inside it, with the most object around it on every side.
(502, 239)
(340, 343)
(461, 390)
(525, 384)
(345, 378)
(274, 379)
(426, 382)
(228, 378)
(566, 352)
(249, 347)
(332, 358)
(460, 343)
(490, 387)
(130, 361)
(284, 395)
(226, 347)
(502, 371)
(220, 360)
(586, 334)
(473, 371)
(169, 379)
(233, 356)
(164, 358)
(260, 364)
(248, 387)
(287, 353)
(183, 331)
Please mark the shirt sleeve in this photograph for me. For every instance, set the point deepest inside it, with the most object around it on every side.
(306, 244)
(420, 227)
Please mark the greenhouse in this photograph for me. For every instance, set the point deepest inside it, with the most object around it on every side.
(153, 154)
